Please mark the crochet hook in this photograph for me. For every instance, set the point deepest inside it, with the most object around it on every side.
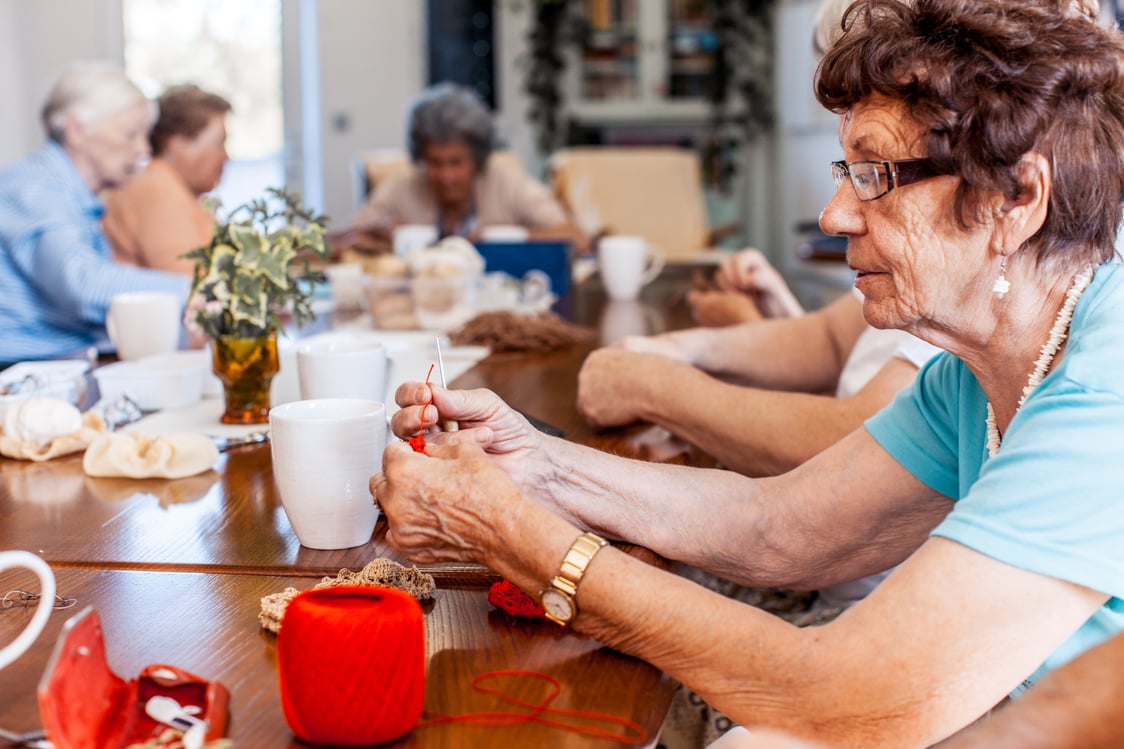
(447, 425)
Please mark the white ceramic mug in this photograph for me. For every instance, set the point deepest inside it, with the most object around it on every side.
(143, 323)
(27, 560)
(627, 265)
(341, 366)
(409, 237)
(324, 454)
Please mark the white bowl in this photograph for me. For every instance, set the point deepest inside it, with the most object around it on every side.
(64, 379)
(153, 384)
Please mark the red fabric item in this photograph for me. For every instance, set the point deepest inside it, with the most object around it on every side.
(506, 596)
(351, 660)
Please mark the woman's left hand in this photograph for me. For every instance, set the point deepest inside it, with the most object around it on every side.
(446, 505)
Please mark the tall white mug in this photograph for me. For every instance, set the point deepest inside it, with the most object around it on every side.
(324, 454)
(143, 323)
(342, 366)
(627, 265)
(27, 560)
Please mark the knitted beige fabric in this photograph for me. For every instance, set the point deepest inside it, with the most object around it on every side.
(381, 572)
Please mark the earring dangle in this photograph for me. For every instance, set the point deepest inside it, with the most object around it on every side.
(1002, 285)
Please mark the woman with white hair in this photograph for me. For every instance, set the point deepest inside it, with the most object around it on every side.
(57, 272)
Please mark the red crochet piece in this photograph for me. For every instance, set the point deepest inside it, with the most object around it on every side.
(505, 596)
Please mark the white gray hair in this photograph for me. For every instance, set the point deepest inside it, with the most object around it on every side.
(446, 113)
(89, 91)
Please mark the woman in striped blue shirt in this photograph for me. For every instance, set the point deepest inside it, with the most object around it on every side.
(57, 272)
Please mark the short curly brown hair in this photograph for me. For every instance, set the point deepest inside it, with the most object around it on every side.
(184, 110)
(990, 81)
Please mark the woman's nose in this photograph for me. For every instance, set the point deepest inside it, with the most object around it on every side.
(842, 216)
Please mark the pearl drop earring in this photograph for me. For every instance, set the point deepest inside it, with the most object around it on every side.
(1002, 285)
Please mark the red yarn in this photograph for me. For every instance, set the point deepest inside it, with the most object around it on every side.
(351, 660)
(418, 440)
(540, 713)
(507, 597)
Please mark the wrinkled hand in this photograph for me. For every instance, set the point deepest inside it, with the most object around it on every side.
(608, 385)
(718, 309)
(750, 272)
(448, 505)
(483, 419)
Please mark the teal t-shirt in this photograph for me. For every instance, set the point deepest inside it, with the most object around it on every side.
(1052, 500)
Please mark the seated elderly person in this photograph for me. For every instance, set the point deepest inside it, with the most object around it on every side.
(57, 272)
(980, 196)
(457, 186)
(156, 216)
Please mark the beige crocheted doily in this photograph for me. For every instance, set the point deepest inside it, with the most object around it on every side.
(381, 572)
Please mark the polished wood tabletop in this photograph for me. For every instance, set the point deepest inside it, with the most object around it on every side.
(176, 569)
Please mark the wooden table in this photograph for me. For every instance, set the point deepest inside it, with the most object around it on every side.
(176, 570)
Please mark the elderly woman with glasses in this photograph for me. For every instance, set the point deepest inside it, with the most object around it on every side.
(983, 145)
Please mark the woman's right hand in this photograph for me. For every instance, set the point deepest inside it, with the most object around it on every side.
(482, 417)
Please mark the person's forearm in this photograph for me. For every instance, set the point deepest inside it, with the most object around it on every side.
(751, 431)
(788, 354)
(1077, 707)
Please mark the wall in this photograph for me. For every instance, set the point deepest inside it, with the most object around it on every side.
(37, 42)
(372, 65)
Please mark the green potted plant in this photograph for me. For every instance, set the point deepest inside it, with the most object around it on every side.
(257, 266)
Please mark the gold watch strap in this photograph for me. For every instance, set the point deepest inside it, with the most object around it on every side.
(577, 559)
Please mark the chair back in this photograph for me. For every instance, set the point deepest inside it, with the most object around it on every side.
(655, 193)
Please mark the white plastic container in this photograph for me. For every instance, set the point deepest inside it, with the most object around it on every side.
(64, 379)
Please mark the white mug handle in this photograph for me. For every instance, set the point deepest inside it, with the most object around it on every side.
(110, 325)
(655, 262)
(19, 646)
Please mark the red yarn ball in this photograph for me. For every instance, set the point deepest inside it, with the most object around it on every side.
(352, 665)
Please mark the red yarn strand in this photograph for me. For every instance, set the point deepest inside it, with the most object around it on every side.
(418, 440)
(633, 732)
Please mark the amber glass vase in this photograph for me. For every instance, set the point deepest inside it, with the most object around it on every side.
(246, 367)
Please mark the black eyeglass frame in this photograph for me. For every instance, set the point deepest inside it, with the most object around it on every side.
(898, 173)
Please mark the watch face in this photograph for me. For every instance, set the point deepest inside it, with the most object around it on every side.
(557, 604)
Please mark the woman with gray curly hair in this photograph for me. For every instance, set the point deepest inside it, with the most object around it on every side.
(457, 185)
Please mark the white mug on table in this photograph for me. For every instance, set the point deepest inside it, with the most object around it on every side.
(342, 367)
(27, 560)
(143, 323)
(627, 265)
(324, 454)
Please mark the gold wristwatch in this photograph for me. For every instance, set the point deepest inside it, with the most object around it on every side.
(558, 598)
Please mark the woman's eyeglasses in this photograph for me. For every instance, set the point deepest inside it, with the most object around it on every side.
(873, 179)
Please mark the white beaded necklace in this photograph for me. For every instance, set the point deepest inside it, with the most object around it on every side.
(1058, 335)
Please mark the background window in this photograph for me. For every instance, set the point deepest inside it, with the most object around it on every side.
(232, 49)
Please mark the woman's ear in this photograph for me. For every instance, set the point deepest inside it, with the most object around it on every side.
(1019, 218)
(73, 132)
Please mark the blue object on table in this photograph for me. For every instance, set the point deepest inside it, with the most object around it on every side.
(516, 258)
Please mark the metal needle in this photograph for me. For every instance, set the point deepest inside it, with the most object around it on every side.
(448, 425)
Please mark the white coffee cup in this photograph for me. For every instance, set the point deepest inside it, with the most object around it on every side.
(143, 323)
(341, 366)
(324, 454)
(627, 265)
(409, 237)
(27, 560)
